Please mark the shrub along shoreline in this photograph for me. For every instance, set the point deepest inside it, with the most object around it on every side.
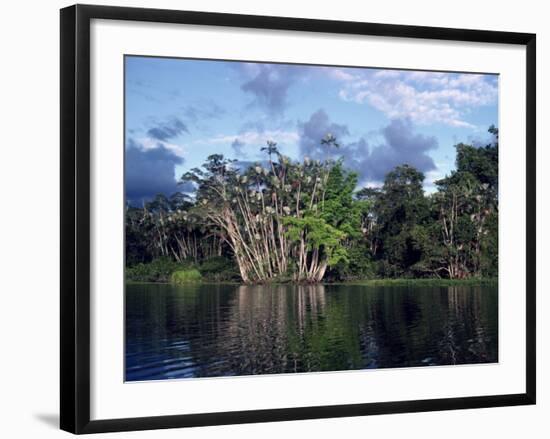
(220, 270)
(164, 270)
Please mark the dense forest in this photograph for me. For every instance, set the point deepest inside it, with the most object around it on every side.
(284, 220)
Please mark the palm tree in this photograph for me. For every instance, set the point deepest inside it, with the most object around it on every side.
(271, 148)
(330, 140)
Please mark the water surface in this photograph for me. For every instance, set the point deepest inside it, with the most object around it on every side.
(222, 330)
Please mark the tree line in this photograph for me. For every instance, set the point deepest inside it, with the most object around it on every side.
(306, 221)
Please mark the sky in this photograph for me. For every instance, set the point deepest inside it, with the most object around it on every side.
(180, 111)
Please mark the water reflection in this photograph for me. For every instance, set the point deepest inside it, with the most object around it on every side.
(220, 330)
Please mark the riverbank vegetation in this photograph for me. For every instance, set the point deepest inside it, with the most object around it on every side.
(185, 276)
(307, 221)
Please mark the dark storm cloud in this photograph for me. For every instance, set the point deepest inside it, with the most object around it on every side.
(150, 172)
(168, 130)
(400, 145)
(316, 128)
(269, 86)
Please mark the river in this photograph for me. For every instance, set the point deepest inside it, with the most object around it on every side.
(209, 330)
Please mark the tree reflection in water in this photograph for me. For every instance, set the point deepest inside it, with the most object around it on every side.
(218, 330)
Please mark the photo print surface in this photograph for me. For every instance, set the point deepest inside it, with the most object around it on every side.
(287, 218)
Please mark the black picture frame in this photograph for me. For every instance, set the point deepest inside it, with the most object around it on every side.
(75, 217)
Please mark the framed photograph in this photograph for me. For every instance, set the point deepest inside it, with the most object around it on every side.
(268, 218)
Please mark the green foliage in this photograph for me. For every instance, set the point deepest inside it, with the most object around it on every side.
(467, 202)
(339, 209)
(357, 265)
(219, 269)
(482, 163)
(159, 270)
(318, 236)
(489, 248)
(402, 212)
(189, 275)
(136, 242)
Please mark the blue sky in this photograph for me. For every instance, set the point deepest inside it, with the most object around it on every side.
(179, 111)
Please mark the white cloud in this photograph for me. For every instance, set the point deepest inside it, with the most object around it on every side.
(386, 74)
(423, 97)
(148, 143)
(254, 137)
(340, 75)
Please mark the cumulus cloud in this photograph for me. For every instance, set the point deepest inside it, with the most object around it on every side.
(341, 74)
(167, 130)
(400, 145)
(316, 128)
(149, 172)
(423, 97)
(269, 84)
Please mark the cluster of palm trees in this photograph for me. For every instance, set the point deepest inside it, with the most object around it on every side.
(270, 216)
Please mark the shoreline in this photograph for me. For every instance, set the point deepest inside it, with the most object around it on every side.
(360, 282)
